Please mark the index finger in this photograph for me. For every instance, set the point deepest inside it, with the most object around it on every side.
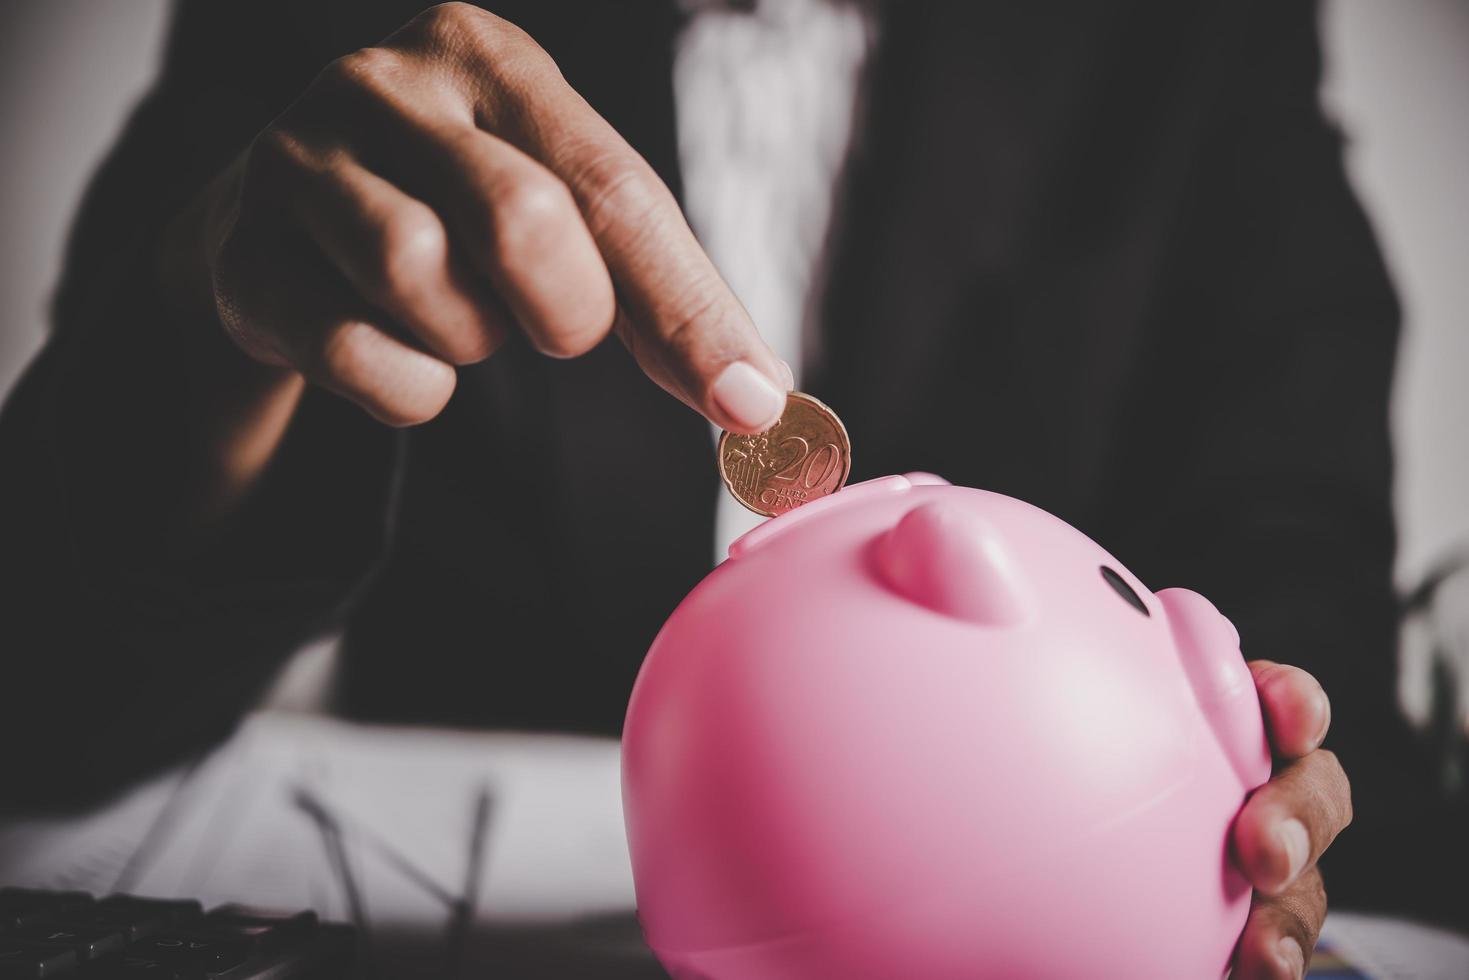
(683, 324)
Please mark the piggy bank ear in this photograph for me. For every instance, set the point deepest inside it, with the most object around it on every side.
(953, 562)
(1208, 647)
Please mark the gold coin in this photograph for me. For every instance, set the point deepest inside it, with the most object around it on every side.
(804, 456)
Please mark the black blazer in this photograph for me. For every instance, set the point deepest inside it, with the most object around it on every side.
(1102, 257)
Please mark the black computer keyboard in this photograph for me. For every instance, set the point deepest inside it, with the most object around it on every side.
(120, 937)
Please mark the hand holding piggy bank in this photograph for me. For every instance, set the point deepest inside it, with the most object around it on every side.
(918, 730)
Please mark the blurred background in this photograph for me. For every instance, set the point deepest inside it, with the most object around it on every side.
(1397, 81)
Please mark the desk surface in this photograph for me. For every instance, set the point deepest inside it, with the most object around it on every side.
(392, 827)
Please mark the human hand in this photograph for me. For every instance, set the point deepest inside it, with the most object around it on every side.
(1285, 826)
(426, 196)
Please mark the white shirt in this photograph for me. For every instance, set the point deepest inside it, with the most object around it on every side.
(765, 105)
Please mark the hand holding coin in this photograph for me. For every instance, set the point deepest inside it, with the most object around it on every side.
(805, 455)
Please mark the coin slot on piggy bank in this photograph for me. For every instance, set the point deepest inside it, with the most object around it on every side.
(916, 729)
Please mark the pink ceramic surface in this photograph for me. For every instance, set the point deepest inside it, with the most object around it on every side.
(910, 730)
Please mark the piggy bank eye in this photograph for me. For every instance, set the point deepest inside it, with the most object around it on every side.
(1120, 586)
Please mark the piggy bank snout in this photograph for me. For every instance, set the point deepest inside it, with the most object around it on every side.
(954, 562)
(1208, 646)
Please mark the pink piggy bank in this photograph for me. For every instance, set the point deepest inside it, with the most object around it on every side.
(919, 730)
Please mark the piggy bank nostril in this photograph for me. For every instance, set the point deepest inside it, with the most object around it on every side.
(1120, 586)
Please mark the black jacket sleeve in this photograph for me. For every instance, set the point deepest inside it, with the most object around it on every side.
(118, 654)
(1265, 399)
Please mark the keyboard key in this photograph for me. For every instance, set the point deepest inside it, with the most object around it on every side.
(203, 951)
(89, 942)
(10, 892)
(16, 915)
(143, 968)
(22, 907)
(20, 958)
(133, 917)
(258, 928)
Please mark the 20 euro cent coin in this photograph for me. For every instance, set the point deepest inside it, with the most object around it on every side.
(803, 456)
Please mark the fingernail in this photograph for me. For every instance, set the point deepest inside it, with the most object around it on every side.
(1291, 956)
(790, 376)
(1297, 845)
(1323, 708)
(748, 397)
